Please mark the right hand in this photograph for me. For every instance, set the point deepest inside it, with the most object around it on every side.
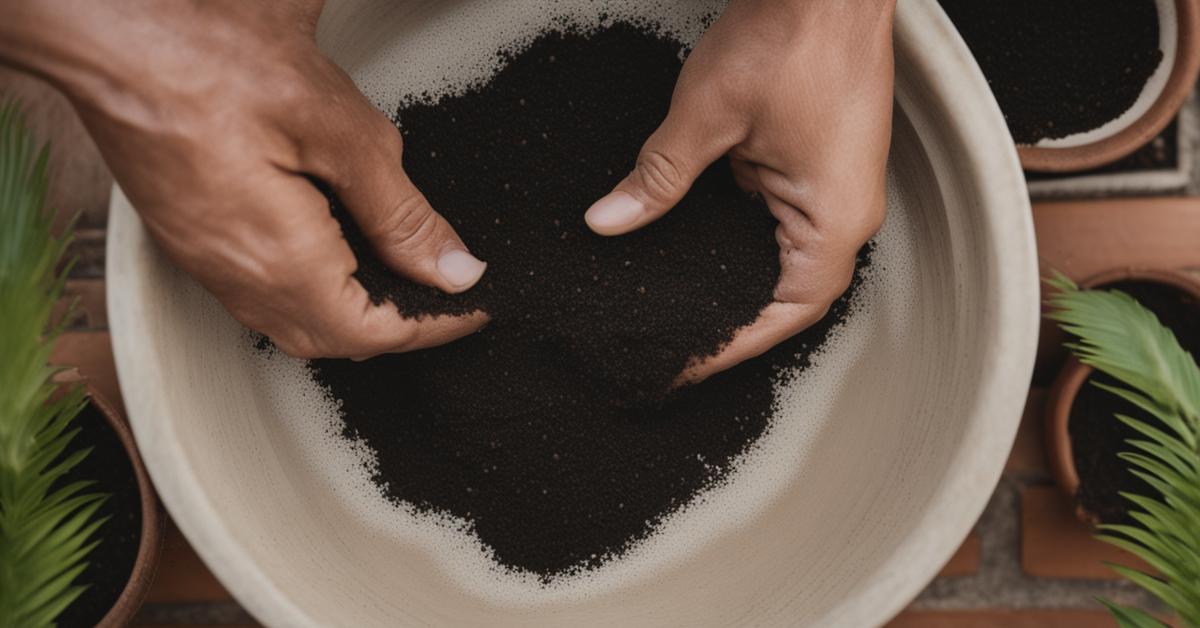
(808, 129)
(210, 116)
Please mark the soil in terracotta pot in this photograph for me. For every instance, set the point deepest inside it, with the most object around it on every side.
(553, 433)
(1060, 67)
(111, 563)
(1096, 436)
(1096, 439)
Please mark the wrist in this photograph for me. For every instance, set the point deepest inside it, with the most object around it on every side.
(35, 36)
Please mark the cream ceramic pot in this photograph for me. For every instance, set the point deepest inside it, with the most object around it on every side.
(877, 464)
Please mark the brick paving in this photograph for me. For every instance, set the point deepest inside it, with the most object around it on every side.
(1027, 562)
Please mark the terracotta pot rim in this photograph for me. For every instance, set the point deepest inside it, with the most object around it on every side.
(1176, 278)
(150, 541)
(1075, 373)
(1059, 451)
(1175, 92)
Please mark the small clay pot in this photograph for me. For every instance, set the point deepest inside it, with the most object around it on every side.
(1141, 130)
(1074, 374)
(150, 543)
(151, 534)
(1058, 438)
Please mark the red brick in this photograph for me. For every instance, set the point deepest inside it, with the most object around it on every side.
(1084, 238)
(91, 353)
(1054, 544)
(90, 309)
(87, 250)
(182, 576)
(1002, 619)
(965, 561)
(1029, 450)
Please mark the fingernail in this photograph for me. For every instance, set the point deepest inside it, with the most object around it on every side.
(614, 213)
(460, 268)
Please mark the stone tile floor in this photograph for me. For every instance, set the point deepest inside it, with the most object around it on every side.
(1027, 562)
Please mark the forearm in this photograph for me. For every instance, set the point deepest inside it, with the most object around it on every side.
(98, 51)
(48, 38)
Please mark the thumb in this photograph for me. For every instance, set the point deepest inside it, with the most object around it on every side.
(670, 161)
(406, 233)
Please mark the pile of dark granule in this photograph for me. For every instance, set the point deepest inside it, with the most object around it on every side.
(1060, 67)
(553, 431)
(1096, 439)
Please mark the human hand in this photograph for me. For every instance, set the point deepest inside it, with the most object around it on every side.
(211, 115)
(798, 93)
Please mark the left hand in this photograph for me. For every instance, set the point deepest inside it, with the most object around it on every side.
(798, 93)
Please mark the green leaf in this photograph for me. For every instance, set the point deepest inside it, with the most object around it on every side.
(1125, 340)
(1132, 617)
(46, 532)
(1178, 600)
(1163, 454)
(1157, 554)
(55, 587)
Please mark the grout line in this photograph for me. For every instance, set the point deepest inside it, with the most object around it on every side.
(1002, 583)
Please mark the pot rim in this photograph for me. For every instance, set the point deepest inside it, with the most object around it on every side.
(1074, 374)
(150, 542)
(1143, 129)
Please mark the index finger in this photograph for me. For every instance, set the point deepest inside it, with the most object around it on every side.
(776, 323)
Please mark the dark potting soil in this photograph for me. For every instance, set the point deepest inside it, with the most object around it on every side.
(1097, 437)
(111, 563)
(1060, 67)
(552, 431)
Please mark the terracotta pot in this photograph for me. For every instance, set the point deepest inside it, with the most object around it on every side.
(151, 537)
(150, 544)
(1124, 139)
(1072, 378)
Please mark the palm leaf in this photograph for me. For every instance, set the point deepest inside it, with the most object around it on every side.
(1132, 617)
(1119, 337)
(46, 531)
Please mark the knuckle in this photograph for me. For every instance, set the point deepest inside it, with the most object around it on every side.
(409, 223)
(660, 175)
(813, 280)
(789, 293)
(291, 89)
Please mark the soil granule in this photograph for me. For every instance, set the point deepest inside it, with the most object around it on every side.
(111, 563)
(553, 432)
(1061, 67)
(1097, 436)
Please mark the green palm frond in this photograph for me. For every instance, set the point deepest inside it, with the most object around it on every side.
(46, 529)
(1123, 339)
